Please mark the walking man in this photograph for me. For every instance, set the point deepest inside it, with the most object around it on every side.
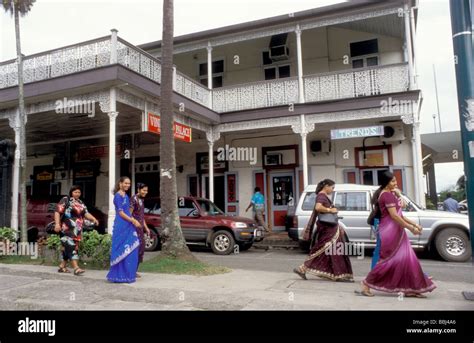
(450, 204)
(258, 204)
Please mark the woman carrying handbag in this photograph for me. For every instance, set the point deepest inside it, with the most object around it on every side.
(323, 261)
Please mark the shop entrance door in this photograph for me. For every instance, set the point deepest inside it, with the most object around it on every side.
(282, 192)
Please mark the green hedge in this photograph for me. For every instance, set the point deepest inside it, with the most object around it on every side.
(94, 248)
(7, 233)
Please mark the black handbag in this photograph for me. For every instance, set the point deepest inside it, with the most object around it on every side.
(50, 228)
(328, 219)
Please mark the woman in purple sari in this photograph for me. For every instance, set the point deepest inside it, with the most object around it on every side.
(125, 243)
(323, 261)
(137, 208)
(398, 269)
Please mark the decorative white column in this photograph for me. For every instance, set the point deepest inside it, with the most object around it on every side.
(133, 164)
(113, 47)
(409, 46)
(415, 54)
(212, 135)
(303, 128)
(174, 77)
(300, 64)
(209, 71)
(14, 121)
(304, 151)
(419, 163)
(112, 147)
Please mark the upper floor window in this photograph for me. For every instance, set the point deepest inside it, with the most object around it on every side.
(364, 53)
(277, 72)
(217, 73)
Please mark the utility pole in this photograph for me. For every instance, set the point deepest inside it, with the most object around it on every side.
(461, 23)
(437, 99)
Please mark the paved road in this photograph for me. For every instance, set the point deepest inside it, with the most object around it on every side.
(279, 260)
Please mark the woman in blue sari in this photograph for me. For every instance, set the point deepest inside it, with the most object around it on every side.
(125, 242)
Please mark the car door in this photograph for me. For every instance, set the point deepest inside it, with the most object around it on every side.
(353, 206)
(411, 213)
(191, 221)
(153, 213)
(36, 211)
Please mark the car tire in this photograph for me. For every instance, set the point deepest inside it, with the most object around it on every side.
(245, 246)
(152, 244)
(222, 242)
(453, 245)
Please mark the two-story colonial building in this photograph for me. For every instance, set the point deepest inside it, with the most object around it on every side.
(277, 103)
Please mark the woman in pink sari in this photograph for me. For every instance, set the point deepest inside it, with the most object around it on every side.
(398, 269)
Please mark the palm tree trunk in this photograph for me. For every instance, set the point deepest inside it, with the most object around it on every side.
(22, 147)
(174, 244)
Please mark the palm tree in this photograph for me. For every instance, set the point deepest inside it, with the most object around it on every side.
(174, 244)
(17, 8)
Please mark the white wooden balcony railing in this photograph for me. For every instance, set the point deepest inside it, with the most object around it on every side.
(356, 82)
(255, 95)
(98, 53)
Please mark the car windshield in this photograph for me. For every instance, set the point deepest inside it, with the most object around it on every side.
(412, 203)
(209, 207)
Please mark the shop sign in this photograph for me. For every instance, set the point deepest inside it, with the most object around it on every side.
(357, 132)
(181, 132)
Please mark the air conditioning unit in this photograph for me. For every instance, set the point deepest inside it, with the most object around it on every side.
(273, 159)
(322, 145)
(393, 132)
(279, 50)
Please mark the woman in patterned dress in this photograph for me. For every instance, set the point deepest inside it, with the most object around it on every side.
(69, 219)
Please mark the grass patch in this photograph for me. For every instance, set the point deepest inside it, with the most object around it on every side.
(158, 264)
(22, 260)
(46, 262)
(167, 265)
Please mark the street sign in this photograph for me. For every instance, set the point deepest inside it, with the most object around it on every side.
(181, 132)
(357, 132)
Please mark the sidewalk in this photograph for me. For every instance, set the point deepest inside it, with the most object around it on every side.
(276, 240)
(29, 287)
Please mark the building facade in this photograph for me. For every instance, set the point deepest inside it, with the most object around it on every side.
(277, 103)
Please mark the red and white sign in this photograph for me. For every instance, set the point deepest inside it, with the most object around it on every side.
(181, 132)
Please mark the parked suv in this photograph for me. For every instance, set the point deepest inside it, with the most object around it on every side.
(445, 232)
(204, 223)
(40, 212)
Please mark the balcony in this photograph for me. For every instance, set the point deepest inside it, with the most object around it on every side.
(318, 87)
(104, 51)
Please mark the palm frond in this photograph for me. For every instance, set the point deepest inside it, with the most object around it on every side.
(24, 6)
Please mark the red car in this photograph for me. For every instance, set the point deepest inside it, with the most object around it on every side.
(41, 212)
(204, 223)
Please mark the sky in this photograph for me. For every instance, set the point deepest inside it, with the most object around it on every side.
(56, 23)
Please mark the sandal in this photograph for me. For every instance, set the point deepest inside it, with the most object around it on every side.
(300, 273)
(345, 280)
(78, 271)
(63, 270)
(364, 293)
(415, 295)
